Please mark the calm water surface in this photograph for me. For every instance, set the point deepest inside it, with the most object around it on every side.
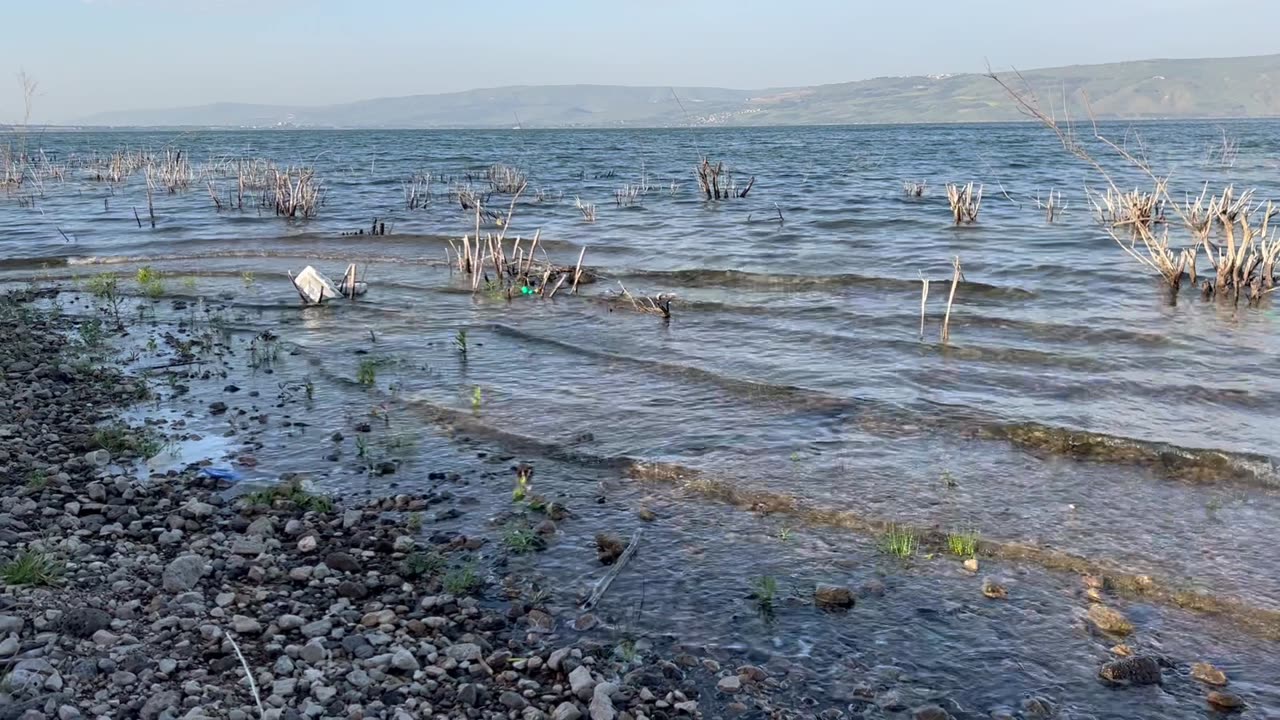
(793, 363)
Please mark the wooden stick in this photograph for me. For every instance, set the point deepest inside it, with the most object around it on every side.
(924, 297)
(956, 277)
(607, 580)
(577, 271)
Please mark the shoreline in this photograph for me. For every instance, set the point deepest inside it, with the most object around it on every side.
(160, 574)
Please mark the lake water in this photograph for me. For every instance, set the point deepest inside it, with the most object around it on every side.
(1075, 409)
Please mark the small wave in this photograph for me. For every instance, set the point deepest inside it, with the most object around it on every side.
(695, 277)
(1192, 464)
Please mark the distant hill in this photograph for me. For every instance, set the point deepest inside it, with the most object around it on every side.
(1201, 88)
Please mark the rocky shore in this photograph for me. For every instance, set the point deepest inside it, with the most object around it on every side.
(162, 596)
(133, 593)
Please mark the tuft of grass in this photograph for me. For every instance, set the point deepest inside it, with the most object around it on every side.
(150, 281)
(37, 480)
(414, 522)
(31, 567)
(949, 480)
(784, 534)
(367, 372)
(460, 342)
(91, 333)
(291, 492)
(477, 398)
(900, 542)
(120, 439)
(462, 581)
(247, 278)
(521, 540)
(764, 590)
(421, 565)
(963, 543)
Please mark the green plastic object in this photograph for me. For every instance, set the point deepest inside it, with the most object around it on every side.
(526, 290)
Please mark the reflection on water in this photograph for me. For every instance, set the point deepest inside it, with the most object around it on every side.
(1074, 409)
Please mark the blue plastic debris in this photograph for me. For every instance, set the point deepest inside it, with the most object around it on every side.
(221, 473)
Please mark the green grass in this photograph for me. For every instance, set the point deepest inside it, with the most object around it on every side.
(413, 523)
(37, 480)
(291, 492)
(120, 439)
(963, 544)
(367, 372)
(462, 581)
(477, 398)
(460, 342)
(31, 567)
(421, 565)
(150, 281)
(247, 278)
(764, 590)
(521, 540)
(91, 333)
(901, 542)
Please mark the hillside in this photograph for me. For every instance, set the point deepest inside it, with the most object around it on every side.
(1206, 88)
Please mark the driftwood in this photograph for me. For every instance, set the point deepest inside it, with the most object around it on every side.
(603, 585)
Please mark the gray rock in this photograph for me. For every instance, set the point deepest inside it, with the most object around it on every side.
(183, 573)
(359, 678)
(68, 712)
(83, 622)
(245, 625)
(197, 509)
(98, 458)
(468, 695)
(264, 526)
(1138, 670)
(351, 518)
(513, 700)
(159, 703)
(167, 666)
(284, 688)
(556, 659)
(105, 638)
(404, 660)
(464, 652)
(601, 707)
(313, 652)
(30, 675)
(566, 711)
(323, 693)
(11, 624)
(730, 684)
(581, 682)
(316, 629)
(342, 562)
(248, 545)
(931, 712)
(288, 622)
(9, 646)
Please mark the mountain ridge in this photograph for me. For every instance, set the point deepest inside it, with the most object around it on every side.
(1141, 89)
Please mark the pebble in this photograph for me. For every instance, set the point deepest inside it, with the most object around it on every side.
(994, 589)
(601, 707)
(182, 573)
(1108, 620)
(730, 684)
(581, 682)
(1225, 701)
(833, 596)
(566, 711)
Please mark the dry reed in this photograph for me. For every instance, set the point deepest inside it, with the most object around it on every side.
(713, 187)
(957, 275)
(914, 189)
(965, 202)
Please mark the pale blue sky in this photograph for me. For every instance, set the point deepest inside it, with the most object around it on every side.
(95, 55)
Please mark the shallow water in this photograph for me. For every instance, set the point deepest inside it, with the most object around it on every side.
(792, 364)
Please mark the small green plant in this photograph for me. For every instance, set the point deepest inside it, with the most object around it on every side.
(626, 650)
(784, 534)
(31, 567)
(264, 350)
(421, 565)
(460, 342)
(477, 398)
(367, 372)
(898, 541)
(309, 388)
(524, 481)
(91, 333)
(764, 590)
(461, 581)
(106, 288)
(150, 281)
(795, 456)
(963, 544)
(37, 480)
(189, 283)
(521, 540)
(362, 447)
(413, 523)
(247, 278)
(291, 492)
(120, 439)
(152, 346)
(949, 481)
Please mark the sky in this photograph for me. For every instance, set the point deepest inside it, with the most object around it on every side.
(90, 56)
